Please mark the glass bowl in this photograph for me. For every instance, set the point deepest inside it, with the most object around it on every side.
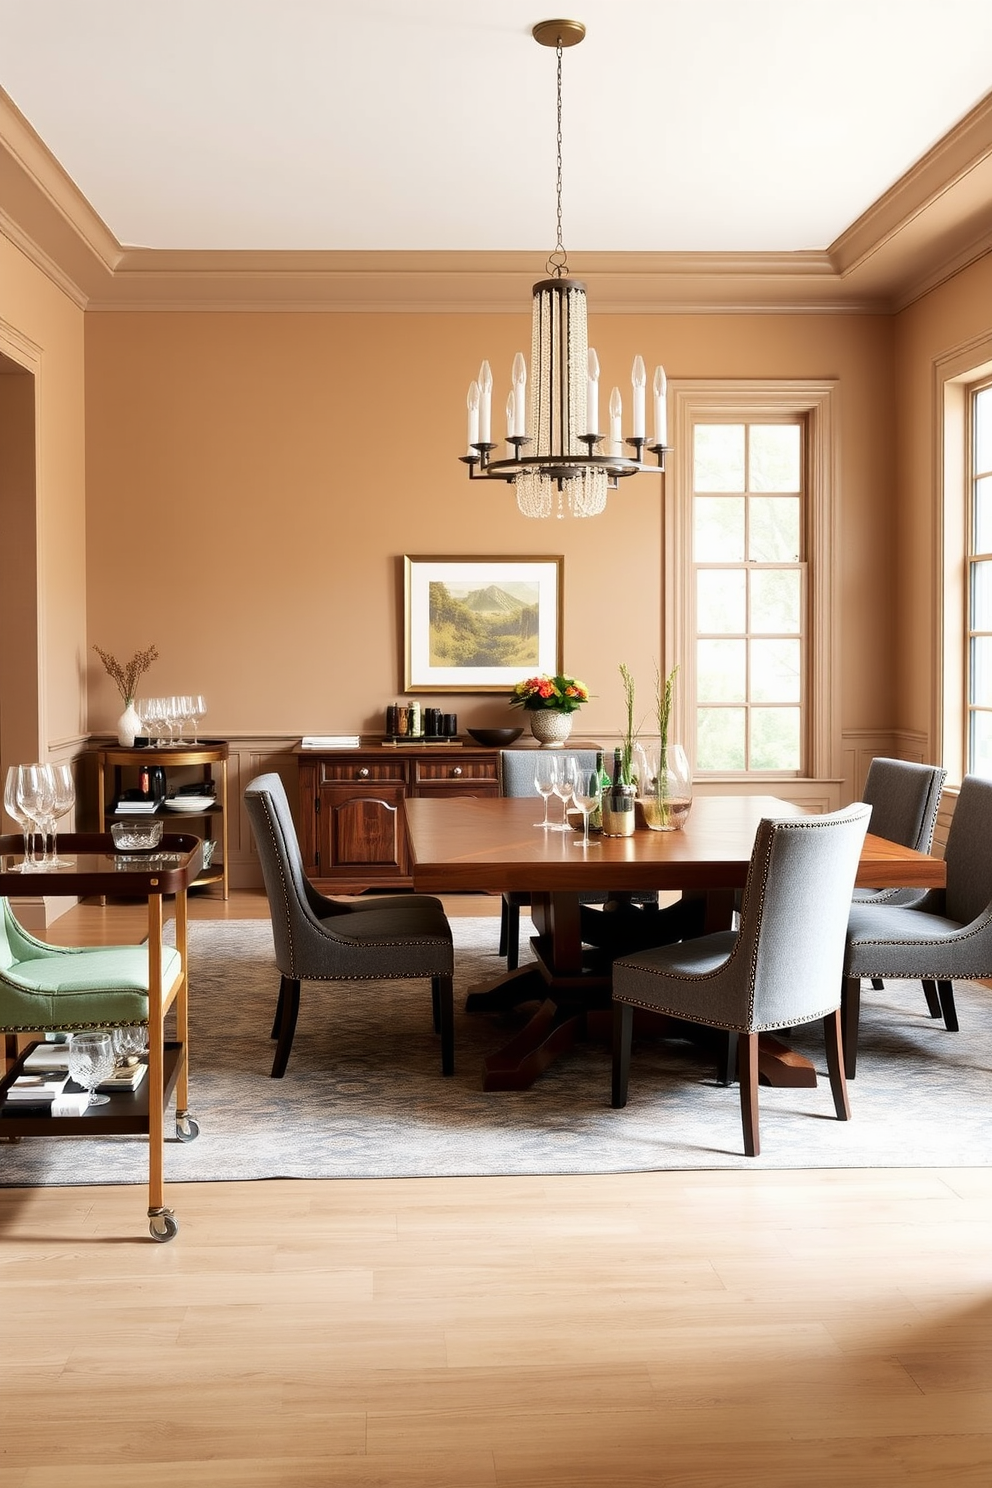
(136, 836)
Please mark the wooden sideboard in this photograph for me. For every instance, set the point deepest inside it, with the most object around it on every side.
(352, 829)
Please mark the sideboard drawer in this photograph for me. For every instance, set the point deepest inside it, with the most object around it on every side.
(456, 770)
(359, 771)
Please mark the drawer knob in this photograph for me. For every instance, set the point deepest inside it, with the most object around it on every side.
(457, 770)
(363, 773)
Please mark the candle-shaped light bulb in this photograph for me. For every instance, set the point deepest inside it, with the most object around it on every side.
(485, 404)
(660, 406)
(616, 417)
(473, 416)
(638, 381)
(510, 411)
(592, 393)
(519, 379)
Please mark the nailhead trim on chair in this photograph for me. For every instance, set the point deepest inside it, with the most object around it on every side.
(697, 978)
(427, 940)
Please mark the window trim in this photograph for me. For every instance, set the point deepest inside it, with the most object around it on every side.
(954, 375)
(695, 401)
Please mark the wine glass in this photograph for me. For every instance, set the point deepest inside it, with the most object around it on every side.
(35, 797)
(156, 721)
(91, 1061)
(63, 800)
(586, 793)
(130, 1040)
(170, 713)
(545, 775)
(197, 712)
(14, 810)
(563, 789)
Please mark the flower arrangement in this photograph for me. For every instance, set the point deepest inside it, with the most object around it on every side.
(126, 676)
(556, 694)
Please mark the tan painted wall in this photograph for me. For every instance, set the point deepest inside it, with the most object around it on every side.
(254, 480)
(950, 317)
(42, 329)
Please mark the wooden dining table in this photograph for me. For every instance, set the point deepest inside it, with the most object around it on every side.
(473, 844)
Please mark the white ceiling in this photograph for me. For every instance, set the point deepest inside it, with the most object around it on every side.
(430, 124)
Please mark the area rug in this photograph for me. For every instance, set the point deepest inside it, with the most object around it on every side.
(363, 1096)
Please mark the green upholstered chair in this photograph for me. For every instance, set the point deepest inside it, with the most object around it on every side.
(48, 988)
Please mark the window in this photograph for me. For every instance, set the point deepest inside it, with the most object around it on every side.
(979, 583)
(750, 609)
(747, 563)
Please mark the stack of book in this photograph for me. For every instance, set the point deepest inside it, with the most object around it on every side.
(43, 1094)
(144, 806)
(331, 741)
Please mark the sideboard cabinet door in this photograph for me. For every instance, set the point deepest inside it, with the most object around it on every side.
(362, 831)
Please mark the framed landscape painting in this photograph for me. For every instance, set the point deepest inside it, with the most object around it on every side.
(480, 624)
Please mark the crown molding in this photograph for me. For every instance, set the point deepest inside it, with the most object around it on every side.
(460, 283)
(45, 214)
(933, 222)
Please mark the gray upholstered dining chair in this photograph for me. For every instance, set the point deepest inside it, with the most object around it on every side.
(904, 798)
(325, 940)
(946, 934)
(516, 778)
(776, 970)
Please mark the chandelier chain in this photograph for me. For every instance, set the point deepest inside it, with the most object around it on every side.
(557, 264)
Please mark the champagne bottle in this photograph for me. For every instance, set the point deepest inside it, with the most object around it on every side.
(618, 767)
(596, 815)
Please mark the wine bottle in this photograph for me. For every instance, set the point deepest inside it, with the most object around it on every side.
(618, 803)
(596, 815)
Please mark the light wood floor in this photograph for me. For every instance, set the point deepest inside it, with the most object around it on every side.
(658, 1330)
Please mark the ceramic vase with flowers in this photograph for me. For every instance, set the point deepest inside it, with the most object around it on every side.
(550, 701)
(126, 677)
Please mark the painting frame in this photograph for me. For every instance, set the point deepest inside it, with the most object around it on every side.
(536, 582)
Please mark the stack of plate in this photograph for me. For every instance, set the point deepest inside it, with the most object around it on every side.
(190, 803)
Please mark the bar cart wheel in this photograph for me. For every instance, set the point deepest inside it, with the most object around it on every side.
(187, 1128)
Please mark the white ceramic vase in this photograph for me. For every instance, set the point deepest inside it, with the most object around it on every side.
(550, 729)
(128, 726)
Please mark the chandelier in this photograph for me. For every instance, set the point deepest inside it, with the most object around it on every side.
(559, 461)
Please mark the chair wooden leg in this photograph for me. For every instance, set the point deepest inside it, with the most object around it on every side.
(442, 993)
(289, 1003)
(747, 1073)
(277, 1020)
(850, 1016)
(727, 1066)
(945, 991)
(835, 1065)
(623, 1028)
(933, 1001)
(435, 1005)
